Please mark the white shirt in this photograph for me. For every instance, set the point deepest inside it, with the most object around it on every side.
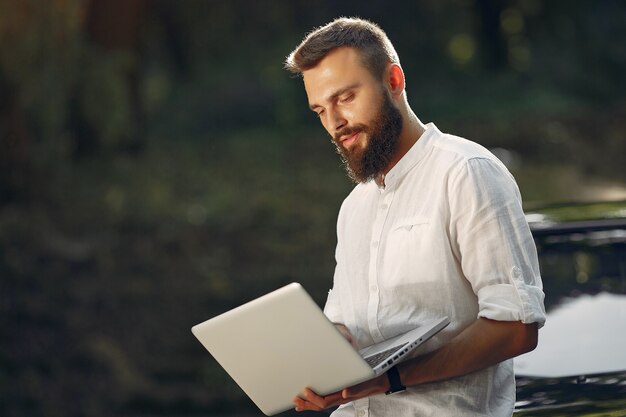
(446, 236)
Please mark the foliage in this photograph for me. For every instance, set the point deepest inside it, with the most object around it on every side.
(106, 281)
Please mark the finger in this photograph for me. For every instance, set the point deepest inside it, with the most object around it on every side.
(323, 402)
(302, 405)
(318, 400)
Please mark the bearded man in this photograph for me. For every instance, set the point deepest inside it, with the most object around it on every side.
(434, 227)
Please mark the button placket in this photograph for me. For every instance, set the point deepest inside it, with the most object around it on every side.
(374, 296)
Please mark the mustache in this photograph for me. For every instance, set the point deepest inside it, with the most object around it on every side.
(349, 130)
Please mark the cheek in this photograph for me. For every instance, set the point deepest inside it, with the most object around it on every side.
(363, 112)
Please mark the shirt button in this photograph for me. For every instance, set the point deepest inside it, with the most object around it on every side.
(374, 288)
(384, 207)
(361, 413)
(375, 243)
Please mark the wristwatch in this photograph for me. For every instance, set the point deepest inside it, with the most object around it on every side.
(395, 385)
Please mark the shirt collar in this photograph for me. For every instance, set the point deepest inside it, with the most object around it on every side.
(411, 158)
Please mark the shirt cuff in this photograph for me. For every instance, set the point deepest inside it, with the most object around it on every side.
(509, 302)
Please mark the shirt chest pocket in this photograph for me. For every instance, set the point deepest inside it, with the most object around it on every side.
(407, 224)
(407, 236)
(407, 250)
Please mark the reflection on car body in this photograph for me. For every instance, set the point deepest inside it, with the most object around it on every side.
(579, 366)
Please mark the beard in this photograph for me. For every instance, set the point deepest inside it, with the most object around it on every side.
(365, 163)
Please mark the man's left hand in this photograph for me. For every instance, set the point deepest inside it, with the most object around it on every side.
(315, 402)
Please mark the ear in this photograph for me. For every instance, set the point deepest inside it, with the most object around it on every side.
(395, 79)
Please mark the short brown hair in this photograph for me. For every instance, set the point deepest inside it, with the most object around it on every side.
(368, 38)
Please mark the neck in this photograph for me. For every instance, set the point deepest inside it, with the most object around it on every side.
(412, 130)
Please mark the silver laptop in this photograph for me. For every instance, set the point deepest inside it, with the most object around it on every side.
(278, 344)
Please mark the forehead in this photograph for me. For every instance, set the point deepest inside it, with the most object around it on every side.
(340, 68)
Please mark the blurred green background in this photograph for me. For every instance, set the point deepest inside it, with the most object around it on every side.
(157, 167)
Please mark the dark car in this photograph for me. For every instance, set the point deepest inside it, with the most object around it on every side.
(579, 366)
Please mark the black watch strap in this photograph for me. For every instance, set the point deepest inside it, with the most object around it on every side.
(395, 385)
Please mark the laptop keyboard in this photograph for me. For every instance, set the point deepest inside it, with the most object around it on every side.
(376, 358)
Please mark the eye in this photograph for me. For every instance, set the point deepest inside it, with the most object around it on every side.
(347, 98)
(320, 113)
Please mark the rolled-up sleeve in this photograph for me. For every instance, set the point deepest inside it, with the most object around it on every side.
(494, 244)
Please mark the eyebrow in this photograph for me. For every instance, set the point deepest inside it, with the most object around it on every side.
(336, 94)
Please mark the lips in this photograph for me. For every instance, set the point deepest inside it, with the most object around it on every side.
(348, 140)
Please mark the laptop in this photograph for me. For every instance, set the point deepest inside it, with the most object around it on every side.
(280, 343)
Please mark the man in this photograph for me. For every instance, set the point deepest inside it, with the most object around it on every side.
(434, 227)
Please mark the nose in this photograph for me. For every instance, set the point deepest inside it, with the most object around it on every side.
(336, 120)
